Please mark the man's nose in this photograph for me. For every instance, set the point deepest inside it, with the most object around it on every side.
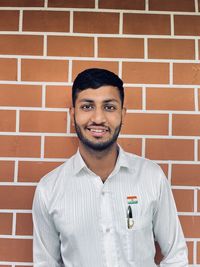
(98, 116)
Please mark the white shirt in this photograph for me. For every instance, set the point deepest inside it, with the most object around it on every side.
(83, 222)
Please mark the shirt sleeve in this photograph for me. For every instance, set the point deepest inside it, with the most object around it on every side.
(46, 243)
(167, 229)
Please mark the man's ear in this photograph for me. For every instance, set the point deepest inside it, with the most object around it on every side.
(123, 114)
(71, 112)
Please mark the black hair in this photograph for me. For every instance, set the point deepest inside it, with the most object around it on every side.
(95, 78)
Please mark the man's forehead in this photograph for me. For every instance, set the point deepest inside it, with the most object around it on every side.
(104, 93)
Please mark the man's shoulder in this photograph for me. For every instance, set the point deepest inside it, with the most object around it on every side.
(140, 161)
(57, 174)
(145, 169)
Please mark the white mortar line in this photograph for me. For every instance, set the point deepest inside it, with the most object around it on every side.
(20, 20)
(196, 6)
(71, 22)
(172, 24)
(16, 171)
(95, 47)
(121, 23)
(18, 69)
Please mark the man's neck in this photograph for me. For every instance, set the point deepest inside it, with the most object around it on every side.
(101, 163)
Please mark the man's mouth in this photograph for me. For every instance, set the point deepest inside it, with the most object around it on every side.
(97, 131)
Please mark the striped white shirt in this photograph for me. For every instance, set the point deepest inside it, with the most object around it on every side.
(79, 221)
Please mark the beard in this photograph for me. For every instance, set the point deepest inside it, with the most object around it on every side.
(99, 145)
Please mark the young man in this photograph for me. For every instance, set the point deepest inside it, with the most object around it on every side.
(104, 207)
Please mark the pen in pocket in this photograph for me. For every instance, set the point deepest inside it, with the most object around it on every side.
(130, 221)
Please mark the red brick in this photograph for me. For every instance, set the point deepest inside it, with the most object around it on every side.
(20, 95)
(22, 3)
(147, 124)
(170, 99)
(20, 146)
(6, 223)
(121, 47)
(78, 66)
(198, 149)
(58, 97)
(43, 121)
(126, 4)
(33, 171)
(21, 45)
(186, 174)
(199, 49)
(146, 24)
(188, 73)
(8, 69)
(60, 147)
(170, 149)
(131, 145)
(9, 20)
(72, 3)
(6, 171)
(44, 70)
(133, 98)
(186, 124)
(184, 200)
(170, 49)
(46, 21)
(164, 168)
(24, 224)
(190, 225)
(96, 22)
(199, 98)
(19, 250)
(198, 252)
(7, 120)
(190, 247)
(70, 46)
(198, 202)
(187, 25)
(16, 197)
(172, 5)
(145, 72)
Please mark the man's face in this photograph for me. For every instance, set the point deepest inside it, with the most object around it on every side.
(98, 117)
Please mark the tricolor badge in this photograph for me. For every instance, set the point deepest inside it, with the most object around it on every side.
(132, 199)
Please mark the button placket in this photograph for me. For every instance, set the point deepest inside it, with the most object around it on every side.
(107, 228)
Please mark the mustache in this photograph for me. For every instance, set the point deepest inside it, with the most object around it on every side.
(100, 125)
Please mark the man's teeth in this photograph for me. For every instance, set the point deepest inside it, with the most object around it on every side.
(97, 130)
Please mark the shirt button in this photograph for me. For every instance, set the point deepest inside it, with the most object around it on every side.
(103, 193)
(107, 230)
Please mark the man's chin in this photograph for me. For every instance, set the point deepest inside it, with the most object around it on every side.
(98, 146)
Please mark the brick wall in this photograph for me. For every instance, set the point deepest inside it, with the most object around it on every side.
(153, 45)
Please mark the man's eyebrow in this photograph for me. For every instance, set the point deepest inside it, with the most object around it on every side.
(92, 101)
(86, 100)
(110, 100)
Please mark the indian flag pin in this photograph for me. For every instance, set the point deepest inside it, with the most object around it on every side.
(132, 200)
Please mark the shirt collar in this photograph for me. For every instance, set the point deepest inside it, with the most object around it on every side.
(122, 161)
(78, 163)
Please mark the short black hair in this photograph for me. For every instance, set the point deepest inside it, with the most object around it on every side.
(95, 78)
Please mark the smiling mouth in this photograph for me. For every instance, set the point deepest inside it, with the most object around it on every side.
(97, 132)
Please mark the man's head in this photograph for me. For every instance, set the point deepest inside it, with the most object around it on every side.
(97, 111)
(95, 78)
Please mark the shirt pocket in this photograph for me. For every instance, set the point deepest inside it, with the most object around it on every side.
(140, 241)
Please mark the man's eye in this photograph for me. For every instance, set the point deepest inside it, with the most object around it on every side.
(110, 108)
(86, 107)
